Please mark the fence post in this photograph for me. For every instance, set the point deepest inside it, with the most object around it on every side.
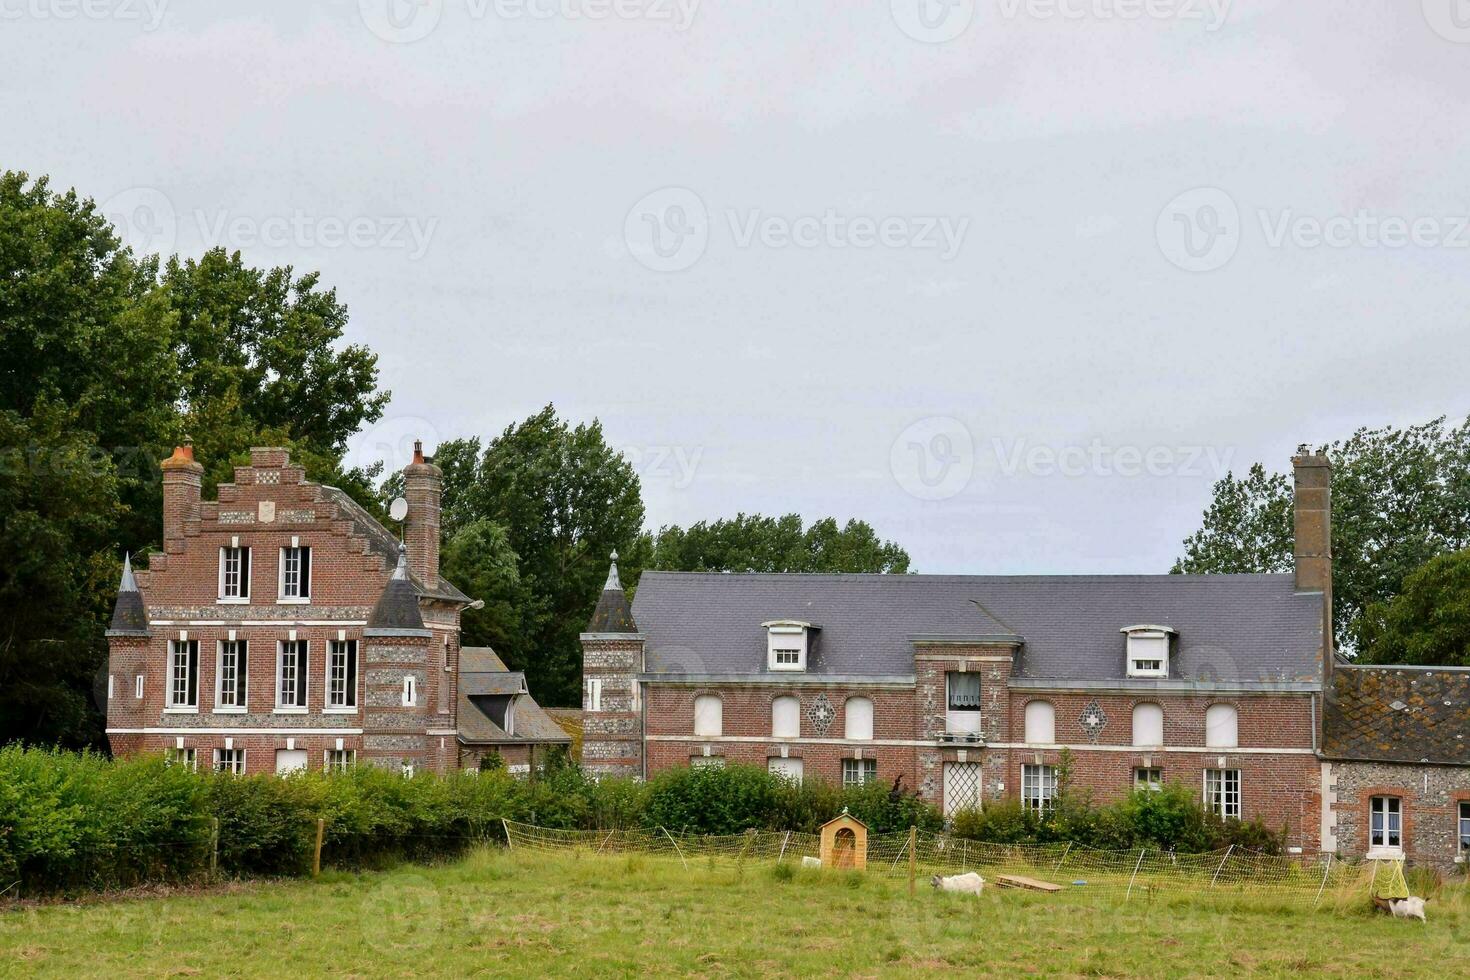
(1058, 865)
(1325, 872)
(784, 841)
(1129, 894)
(505, 825)
(913, 856)
(1228, 851)
(213, 846)
(677, 850)
(316, 858)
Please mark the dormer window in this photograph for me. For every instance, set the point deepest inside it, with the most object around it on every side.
(1148, 650)
(786, 644)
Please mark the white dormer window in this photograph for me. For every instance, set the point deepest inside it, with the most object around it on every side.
(1148, 650)
(786, 644)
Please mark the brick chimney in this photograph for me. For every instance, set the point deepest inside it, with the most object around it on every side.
(423, 485)
(183, 481)
(1312, 522)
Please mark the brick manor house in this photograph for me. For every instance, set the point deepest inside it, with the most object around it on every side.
(969, 688)
(283, 627)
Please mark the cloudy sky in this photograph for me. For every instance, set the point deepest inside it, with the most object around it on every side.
(1014, 280)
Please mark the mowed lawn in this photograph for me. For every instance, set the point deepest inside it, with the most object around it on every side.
(501, 913)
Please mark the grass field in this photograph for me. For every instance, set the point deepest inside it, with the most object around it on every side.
(501, 913)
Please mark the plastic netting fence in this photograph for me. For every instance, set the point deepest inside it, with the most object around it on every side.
(1128, 874)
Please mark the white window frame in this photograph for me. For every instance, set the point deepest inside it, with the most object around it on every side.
(138, 687)
(1385, 826)
(110, 678)
(338, 760)
(190, 652)
(1148, 649)
(972, 774)
(242, 576)
(1150, 778)
(230, 760)
(858, 772)
(594, 694)
(718, 716)
(961, 720)
(786, 644)
(301, 667)
(186, 757)
(348, 651)
(299, 596)
(1218, 800)
(410, 691)
(241, 655)
(1462, 827)
(1038, 787)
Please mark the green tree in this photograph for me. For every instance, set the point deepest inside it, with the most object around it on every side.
(1428, 622)
(1399, 498)
(566, 501)
(755, 543)
(480, 561)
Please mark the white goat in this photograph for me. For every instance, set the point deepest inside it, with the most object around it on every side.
(810, 862)
(1407, 908)
(969, 883)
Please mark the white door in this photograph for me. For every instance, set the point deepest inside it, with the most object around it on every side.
(289, 760)
(961, 786)
(789, 768)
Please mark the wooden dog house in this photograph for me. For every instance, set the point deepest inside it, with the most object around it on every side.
(845, 843)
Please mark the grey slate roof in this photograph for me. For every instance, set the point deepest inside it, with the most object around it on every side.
(1230, 627)
(612, 614)
(382, 542)
(129, 618)
(1398, 714)
(398, 607)
(484, 686)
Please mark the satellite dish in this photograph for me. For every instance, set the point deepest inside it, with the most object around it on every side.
(398, 509)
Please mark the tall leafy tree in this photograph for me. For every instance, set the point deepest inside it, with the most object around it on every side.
(1428, 622)
(1400, 497)
(756, 543)
(480, 561)
(566, 501)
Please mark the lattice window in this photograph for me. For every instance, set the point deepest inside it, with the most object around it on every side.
(1039, 787)
(962, 782)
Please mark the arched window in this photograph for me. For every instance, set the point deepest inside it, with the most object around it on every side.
(1041, 723)
(709, 715)
(859, 712)
(786, 717)
(1222, 727)
(1148, 724)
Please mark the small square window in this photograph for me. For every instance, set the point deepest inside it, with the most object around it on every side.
(182, 757)
(230, 760)
(1148, 778)
(855, 772)
(340, 760)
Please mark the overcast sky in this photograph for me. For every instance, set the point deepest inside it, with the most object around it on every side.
(1013, 280)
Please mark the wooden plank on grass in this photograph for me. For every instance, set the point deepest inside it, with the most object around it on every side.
(1021, 881)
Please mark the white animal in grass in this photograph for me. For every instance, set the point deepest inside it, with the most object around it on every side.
(810, 862)
(969, 883)
(1407, 908)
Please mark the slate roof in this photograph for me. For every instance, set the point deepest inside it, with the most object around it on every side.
(1398, 714)
(612, 614)
(484, 684)
(384, 543)
(398, 607)
(129, 617)
(1252, 628)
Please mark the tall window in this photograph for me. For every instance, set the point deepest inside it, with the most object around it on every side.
(234, 573)
(709, 715)
(1222, 792)
(1464, 827)
(1041, 723)
(342, 674)
(1386, 822)
(1039, 786)
(962, 715)
(858, 723)
(291, 671)
(1222, 727)
(296, 573)
(1148, 724)
(786, 717)
(230, 675)
(229, 760)
(183, 674)
(855, 772)
(594, 694)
